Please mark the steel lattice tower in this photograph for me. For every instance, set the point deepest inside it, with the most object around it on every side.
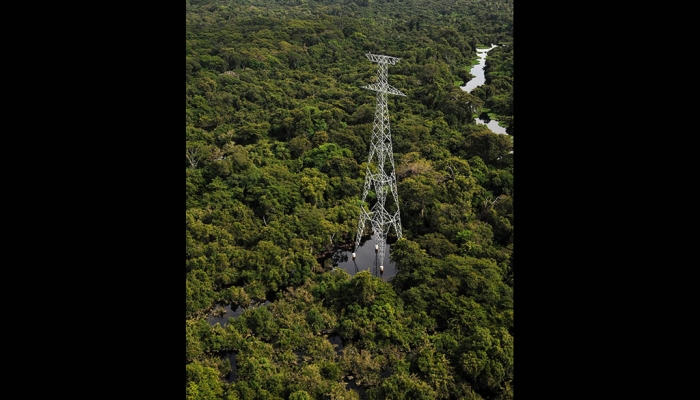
(381, 159)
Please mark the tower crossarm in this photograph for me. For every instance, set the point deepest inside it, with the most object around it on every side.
(382, 59)
(383, 88)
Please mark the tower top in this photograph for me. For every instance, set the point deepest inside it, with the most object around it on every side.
(382, 59)
(382, 86)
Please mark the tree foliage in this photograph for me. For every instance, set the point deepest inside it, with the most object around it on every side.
(277, 136)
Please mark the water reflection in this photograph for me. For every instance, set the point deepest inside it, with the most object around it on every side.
(478, 80)
(233, 375)
(478, 70)
(365, 259)
(337, 343)
(217, 316)
(492, 125)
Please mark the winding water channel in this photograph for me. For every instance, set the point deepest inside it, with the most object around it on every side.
(478, 80)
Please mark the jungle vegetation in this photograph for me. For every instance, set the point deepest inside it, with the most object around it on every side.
(277, 136)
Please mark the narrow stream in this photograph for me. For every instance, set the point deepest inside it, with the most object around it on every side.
(478, 70)
(478, 80)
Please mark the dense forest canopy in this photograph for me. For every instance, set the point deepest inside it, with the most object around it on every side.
(277, 136)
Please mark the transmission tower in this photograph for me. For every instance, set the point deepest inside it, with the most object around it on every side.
(381, 161)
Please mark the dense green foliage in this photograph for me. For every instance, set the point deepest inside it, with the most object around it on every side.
(277, 138)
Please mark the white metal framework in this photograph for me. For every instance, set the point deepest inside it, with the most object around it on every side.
(381, 158)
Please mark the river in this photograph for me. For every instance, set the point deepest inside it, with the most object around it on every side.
(480, 79)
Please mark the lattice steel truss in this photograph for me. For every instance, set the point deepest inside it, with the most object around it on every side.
(381, 158)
